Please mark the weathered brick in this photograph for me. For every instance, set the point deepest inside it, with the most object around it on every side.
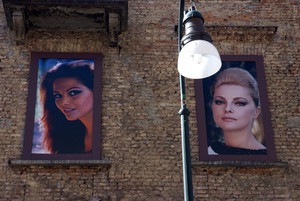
(140, 101)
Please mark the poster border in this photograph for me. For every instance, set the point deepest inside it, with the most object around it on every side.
(201, 119)
(31, 101)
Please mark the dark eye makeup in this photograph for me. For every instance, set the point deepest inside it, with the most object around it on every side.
(241, 103)
(218, 102)
(74, 92)
(57, 96)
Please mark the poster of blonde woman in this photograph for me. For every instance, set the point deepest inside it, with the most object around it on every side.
(237, 124)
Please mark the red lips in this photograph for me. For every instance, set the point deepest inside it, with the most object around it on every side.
(228, 119)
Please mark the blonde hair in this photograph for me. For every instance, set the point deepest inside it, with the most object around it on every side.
(238, 76)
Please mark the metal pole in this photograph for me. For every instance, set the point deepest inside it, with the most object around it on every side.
(184, 113)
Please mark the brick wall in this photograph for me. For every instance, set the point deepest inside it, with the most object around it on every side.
(141, 98)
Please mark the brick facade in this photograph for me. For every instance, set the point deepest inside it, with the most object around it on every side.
(140, 102)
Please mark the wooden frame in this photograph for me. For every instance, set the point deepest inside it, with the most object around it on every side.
(205, 123)
(41, 62)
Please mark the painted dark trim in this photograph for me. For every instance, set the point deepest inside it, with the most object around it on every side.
(31, 101)
(202, 121)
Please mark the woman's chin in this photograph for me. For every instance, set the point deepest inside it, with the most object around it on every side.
(71, 118)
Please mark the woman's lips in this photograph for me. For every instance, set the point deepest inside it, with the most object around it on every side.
(68, 110)
(228, 119)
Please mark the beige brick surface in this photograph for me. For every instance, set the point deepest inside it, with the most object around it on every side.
(141, 98)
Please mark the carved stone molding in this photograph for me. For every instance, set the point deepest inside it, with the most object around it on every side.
(109, 16)
(242, 33)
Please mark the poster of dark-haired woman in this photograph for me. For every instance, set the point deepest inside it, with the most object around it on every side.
(63, 90)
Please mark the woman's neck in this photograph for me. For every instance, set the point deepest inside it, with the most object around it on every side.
(88, 138)
(88, 142)
(242, 140)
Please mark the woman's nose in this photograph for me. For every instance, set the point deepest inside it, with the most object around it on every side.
(65, 100)
(228, 108)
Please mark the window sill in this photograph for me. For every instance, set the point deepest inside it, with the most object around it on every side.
(243, 164)
(52, 163)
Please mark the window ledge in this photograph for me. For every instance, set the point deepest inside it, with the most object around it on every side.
(245, 164)
(23, 163)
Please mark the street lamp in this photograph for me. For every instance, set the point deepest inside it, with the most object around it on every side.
(197, 59)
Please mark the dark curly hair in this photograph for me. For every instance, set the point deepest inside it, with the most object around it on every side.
(60, 134)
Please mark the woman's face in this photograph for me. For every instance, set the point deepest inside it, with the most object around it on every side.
(233, 108)
(73, 98)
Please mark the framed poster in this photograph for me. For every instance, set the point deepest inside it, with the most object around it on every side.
(232, 112)
(63, 119)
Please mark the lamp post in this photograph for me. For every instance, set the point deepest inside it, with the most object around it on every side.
(197, 59)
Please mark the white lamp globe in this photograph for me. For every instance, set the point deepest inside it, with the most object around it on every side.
(199, 59)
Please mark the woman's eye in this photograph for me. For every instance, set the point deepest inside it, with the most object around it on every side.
(218, 102)
(74, 92)
(241, 103)
(57, 96)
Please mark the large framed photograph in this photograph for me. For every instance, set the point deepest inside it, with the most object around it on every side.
(63, 120)
(232, 112)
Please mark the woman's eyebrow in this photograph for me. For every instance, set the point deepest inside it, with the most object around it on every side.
(220, 97)
(238, 98)
(72, 88)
